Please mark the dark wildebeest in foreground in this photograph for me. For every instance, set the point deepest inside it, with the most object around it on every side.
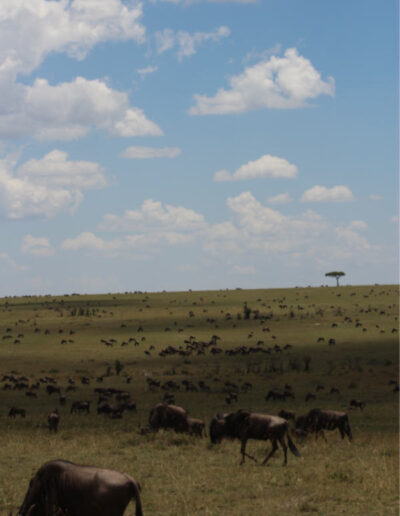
(245, 425)
(168, 416)
(61, 486)
(53, 420)
(319, 420)
(16, 410)
(80, 406)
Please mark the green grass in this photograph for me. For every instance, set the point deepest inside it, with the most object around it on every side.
(181, 475)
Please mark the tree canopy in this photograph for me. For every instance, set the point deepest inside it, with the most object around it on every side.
(336, 274)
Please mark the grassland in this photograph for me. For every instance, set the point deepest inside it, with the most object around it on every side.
(64, 337)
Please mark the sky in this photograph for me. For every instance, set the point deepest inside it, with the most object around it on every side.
(197, 144)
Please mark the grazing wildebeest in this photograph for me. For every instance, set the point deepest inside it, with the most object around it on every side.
(357, 404)
(278, 395)
(62, 486)
(53, 420)
(196, 426)
(168, 416)
(319, 420)
(80, 406)
(16, 410)
(245, 425)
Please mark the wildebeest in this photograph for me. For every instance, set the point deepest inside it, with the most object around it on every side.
(245, 425)
(80, 406)
(17, 411)
(278, 395)
(287, 414)
(319, 420)
(168, 416)
(62, 486)
(53, 420)
(196, 427)
(357, 404)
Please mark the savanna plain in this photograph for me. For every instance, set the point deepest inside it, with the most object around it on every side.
(207, 349)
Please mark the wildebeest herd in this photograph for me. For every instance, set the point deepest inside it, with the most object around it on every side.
(61, 488)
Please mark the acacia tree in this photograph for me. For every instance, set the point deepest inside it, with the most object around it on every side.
(336, 274)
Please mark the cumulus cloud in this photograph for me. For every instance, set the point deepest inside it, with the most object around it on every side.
(186, 43)
(136, 152)
(69, 110)
(266, 166)
(46, 186)
(29, 31)
(152, 216)
(279, 199)
(286, 82)
(323, 194)
(37, 246)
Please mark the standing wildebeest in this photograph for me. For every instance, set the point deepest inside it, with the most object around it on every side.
(196, 426)
(319, 420)
(168, 416)
(80, 406)
(61, 486)
(357, 404)
(16, 410)
(287, 414)
(245, 425)
(278, 395)
(53, 419)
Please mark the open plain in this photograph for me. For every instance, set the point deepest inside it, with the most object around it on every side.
(212, 351)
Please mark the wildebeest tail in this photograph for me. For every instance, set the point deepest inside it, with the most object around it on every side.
(136, 494)
(292, 447)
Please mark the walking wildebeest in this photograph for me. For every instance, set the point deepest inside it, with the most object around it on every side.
(53, 420)
(168, 416)
(319, 420)
(287, 414)
(77, 490)
(245, 425)
(80, 406)
(278, 395)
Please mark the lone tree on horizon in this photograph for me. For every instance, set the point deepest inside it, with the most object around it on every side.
(336, 274)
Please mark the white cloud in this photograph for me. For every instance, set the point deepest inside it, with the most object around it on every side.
(358, 225)
(266, 166)
(375, 197)
(55, 170)
(395, 219)
(154, 216)
(38, 246)
(282, 198)
(47, 186)
(29, 31)
(11, 263)
(323, 194)
(146, 71)
(185, 42)
(69, 110)
(135, 152)
(286, 82)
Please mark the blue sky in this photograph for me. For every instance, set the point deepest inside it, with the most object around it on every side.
(197, 144)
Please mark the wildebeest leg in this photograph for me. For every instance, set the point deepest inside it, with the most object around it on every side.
(274, 448)
(244, 454)
(282, 441)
